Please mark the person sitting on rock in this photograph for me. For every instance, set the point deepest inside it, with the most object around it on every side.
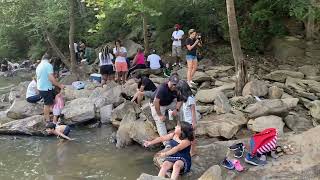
(188, 108)
(138, 62)
(58, 105)
(62, 131)
(146, 88)
(154, 60)
(32, 94)
(166, 98)
(178, 158)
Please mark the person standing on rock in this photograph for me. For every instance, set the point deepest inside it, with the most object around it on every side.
(45, 82)
(166, 98)
(106, 64)
(120, 63)
(176, 37)
(192, 43)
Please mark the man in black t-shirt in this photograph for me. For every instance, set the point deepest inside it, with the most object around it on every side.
(146, 88)
(166, 98)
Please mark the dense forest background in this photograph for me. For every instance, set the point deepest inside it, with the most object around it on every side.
(25, 25)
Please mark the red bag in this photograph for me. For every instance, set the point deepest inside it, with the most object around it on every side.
(264, 141)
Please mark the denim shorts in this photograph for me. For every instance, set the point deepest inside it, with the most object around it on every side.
(191, 58)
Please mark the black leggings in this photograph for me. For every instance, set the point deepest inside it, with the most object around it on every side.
(138, 66)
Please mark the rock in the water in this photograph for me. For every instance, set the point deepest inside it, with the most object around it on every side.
(21, 109)
(297, 123)
(34, 125)
(133, 129)
(106, 113)
(122, 110)
(225, 125)
(275, 92)
(266, 107)
(314, 108)
(209, 95)
(261, 123)
(221, 104)
(281, 75)
(241, 102)
(4, 118)
(144, 176)
(213, 173)
(79, 111)
(309, 70)
(255, 88)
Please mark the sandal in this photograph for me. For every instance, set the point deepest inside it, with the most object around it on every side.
(237, 165)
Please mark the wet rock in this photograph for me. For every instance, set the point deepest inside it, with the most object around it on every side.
(314, 108)
(4, 118)
(225, 125)
(221, 104)
(34, 125)
(281, 75)
(122, 110)
(241, 102)
(133, 129)
(144, 176)
(21, 109)
(213, 173)
(106, 113)
(266, 107)
(209, 95)
(261, 123)
(297, 123)
(79, 111)
(255, 88)
(309, 70)
(275, 92)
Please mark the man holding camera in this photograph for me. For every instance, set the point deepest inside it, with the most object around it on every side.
(192, 43)
(176, 37)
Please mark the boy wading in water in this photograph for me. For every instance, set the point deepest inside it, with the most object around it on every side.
(61, 131)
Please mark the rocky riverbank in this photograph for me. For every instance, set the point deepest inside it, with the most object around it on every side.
(288, 100)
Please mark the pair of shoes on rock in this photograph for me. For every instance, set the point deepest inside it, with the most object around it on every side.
(232, 164)
(255, 160)
(238, 150)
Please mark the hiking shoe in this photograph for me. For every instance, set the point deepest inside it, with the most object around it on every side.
(236, 146)
(227, 164)
(238, 153)
(254, 160)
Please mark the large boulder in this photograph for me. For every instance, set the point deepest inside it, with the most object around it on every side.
(131, 47)
(314, 108)
(225, 125)
(133, 129)
(213, 173)
(4, 118)
(261, 123)
(266, 107)
(309, 70)
(69, 79)
(303, 85)
(209, 95)
(34, 125)
(18, 91)
(241, 102)
(255, 88)
(198, 76)
(113, 96)
(297, 123)
(205, 109)
(275, 92)
(21, 109)
(122, 110)
(70, 93)
(221, 104)
(281, 75)
(79, 111)
(106, 113)
(144, 176)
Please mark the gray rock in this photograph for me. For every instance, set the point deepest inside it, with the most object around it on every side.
(205, 109)
(209, 95)
(4, 118)
(281, 75)
(113, 96)
(122, 110)
(275, 92)
(303, 85)
(106, 113)
(158, 80)
(18, 91)
(21, 109)
(309, 70)
(34, 125)
(79, 111)
(314, 108)
(144, 176)
(297, 123)
(221, 104)
(71, 94)
(225, 125)
(198, 76)
(266, 107)
(261, 123)
(213, 173)
(69, 79)
(255, 88)
(241, 102)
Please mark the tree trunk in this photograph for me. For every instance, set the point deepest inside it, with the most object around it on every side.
(145, 31)
(310, 24)
(241, 71)
(73, 60)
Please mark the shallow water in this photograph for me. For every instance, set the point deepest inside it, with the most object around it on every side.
(91, 156)
(6, 83)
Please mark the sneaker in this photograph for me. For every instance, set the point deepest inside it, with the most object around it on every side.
(227, 164)
(193, 83)
(190, 85)
(174, 64)
(180, 65)
(238, 153)
(235, 146)
(254, 160)
(262, 157)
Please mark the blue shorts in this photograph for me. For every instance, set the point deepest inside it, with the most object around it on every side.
(191, 58)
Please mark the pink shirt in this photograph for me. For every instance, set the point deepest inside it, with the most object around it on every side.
(140, 58)
(58, 102)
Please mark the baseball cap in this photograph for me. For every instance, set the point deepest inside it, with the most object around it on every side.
(177, 26)
(174, 79)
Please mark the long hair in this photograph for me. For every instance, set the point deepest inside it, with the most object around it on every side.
(184, 90)
(186, 131)
(105, 53)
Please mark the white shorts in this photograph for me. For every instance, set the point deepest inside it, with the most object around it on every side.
(56, 111)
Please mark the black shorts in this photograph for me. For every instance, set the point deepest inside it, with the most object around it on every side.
(48, 97)
(106, 69)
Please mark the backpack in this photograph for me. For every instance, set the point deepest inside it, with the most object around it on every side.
(264, 141)
(78, 85)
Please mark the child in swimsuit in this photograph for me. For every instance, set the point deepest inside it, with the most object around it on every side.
(61, 131)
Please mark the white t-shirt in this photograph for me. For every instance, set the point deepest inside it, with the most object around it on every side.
(120, 58)
(186, 107)
(32, 89)
(177, 35)
(105, 61)
(154, 60)
(75, 45)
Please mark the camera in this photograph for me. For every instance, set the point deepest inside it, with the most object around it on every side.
(199, 36)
